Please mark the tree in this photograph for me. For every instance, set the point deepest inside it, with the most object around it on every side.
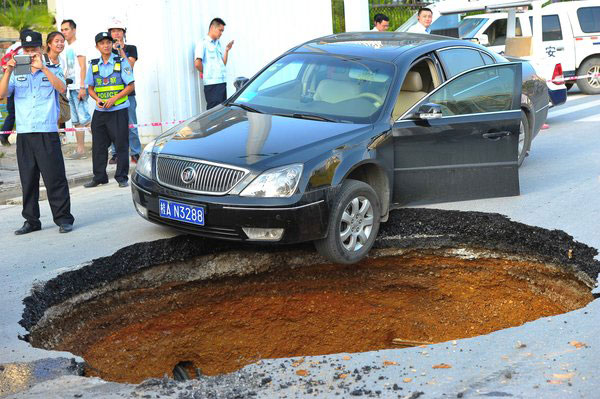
(27, 16)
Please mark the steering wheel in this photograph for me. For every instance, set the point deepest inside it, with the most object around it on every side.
(372, 96)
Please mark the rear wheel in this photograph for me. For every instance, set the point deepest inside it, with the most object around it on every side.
(353, 223)
(590, 85)
(524, 138)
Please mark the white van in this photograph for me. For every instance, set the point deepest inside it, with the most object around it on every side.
(570, 36)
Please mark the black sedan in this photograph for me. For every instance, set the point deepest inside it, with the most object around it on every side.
(323, 142)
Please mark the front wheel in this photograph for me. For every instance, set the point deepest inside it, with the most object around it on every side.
(353, 224)
(590, 85)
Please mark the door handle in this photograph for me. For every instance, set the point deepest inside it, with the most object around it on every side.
(495, 135)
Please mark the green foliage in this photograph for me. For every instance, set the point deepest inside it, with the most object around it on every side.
(35, 17)
(397, 15)
(337, 12)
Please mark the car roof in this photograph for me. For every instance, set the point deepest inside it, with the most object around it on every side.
(386, 46)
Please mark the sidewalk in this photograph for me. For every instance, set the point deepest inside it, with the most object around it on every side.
(78, 171)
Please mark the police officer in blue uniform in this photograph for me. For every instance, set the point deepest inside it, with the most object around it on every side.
(38, 144)
(109, 80)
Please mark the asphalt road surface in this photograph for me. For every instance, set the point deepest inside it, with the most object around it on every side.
(560, 187)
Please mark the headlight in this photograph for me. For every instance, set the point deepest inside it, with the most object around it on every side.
(278, 182)
(144, 164)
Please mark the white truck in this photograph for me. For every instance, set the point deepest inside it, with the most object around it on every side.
(446, 13)
(570, 36)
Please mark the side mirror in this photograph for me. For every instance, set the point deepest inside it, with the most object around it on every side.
(429, 111)
(484, 40)
(239, 82)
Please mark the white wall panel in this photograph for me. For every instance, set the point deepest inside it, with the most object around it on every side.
(165, 32)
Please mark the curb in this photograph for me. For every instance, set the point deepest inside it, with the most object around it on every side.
(14, 196)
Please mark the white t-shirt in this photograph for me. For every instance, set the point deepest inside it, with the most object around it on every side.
(70, 63)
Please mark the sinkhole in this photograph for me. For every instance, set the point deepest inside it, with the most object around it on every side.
(188, 306)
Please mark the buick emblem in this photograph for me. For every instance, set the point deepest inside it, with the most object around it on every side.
(188, 175)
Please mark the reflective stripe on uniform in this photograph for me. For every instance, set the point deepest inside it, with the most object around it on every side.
(100, 89)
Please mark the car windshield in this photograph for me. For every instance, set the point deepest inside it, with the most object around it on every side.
(469, 27)
(320, 87)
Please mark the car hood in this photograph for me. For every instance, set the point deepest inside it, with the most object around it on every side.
(237, 137)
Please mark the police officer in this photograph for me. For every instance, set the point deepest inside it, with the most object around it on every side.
(38, 144)
(109, 80)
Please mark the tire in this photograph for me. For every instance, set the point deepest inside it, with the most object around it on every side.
(589, 85)
(353, 224)
(524, 138)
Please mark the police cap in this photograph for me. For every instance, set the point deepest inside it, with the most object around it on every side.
(103, 35)
(30, 38)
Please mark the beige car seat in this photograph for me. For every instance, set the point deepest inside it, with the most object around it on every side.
(334, 91)
(410, 93)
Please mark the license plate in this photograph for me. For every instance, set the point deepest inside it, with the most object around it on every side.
(182, 212)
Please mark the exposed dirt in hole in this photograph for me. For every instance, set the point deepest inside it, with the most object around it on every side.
(434, 276)
(224, 325)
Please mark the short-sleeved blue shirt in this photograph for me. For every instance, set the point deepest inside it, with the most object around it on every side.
(105, 70)
(36, 101)
(211, 53)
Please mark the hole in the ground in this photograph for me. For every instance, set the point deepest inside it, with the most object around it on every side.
(218, 312)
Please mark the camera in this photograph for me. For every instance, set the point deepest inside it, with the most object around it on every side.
(23, 64)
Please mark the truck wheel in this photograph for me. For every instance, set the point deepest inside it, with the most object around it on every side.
(524, 138)
(589, 85)
(353, 223)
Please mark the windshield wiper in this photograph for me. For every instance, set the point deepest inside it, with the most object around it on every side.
(246, 107)
(312, 117)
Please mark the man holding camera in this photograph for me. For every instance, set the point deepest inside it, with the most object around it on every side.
(36, 86)
(109, 80)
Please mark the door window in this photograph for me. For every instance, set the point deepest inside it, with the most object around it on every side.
(483, 90)
(550, 28)
(589, 19)
(487, 58)
(458, 60)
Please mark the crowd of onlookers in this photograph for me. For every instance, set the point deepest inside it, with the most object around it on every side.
(55, 86)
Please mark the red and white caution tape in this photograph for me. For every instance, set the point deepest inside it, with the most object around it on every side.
(83, 129)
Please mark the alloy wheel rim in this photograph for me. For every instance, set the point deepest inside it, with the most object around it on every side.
(521, 138)
(356, 225)
(595, 80)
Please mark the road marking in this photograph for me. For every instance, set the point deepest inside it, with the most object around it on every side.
(574, 108)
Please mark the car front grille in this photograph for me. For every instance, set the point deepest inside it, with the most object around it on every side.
(207, 177)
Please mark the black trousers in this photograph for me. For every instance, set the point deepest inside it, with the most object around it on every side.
(110, 127)
(40, 153)
(215, 94)
(9, 122)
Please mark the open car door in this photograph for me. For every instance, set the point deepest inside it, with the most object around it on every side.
(460, 142)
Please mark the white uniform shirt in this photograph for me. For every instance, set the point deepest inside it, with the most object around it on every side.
(418, 28)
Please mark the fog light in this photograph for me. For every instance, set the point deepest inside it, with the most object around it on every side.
(254, 233)
(141, 210)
